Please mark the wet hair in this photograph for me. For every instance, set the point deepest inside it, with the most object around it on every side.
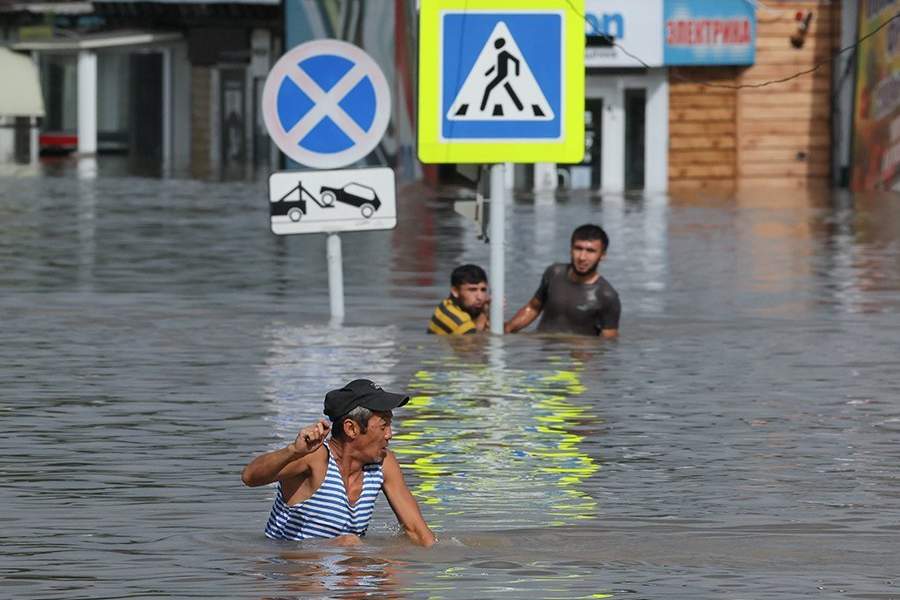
(359, 415)
(467, 274)
(590, 233)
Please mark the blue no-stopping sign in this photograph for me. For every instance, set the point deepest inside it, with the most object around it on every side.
(326, 104)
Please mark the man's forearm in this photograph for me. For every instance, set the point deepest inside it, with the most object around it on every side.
(521, 319)
(265, 469)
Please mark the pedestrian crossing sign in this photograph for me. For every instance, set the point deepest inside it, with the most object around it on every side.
(499, 82)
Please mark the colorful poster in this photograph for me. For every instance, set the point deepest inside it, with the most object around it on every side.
(876, 121)
(709, 32)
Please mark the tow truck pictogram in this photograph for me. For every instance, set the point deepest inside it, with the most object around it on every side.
(361, 196)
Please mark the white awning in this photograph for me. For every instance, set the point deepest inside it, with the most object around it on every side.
(20, 94)
(98, 41)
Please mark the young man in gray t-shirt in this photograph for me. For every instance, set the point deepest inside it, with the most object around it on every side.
(573, 297)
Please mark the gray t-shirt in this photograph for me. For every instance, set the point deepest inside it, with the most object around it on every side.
(570, 307)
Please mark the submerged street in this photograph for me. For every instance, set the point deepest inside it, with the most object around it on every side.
(737, 440)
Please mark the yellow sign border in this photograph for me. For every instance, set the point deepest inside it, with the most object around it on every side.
(568, 149)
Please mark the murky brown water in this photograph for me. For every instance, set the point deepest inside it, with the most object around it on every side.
(738, 441)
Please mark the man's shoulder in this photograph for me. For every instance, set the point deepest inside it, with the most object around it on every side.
(449, 307)
(606, 288)
(312, 464)
(557, 270)
(317, 457)
(450, 319)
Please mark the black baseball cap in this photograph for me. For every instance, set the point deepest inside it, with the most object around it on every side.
(361, 392)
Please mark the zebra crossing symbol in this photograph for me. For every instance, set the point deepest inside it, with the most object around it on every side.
(500, 85)
(501, 82)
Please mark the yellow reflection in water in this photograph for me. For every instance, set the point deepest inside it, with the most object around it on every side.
(497, 438)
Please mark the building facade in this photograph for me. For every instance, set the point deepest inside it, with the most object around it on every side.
(681, 95)
(711, 96)
(760, 126)
(172, 86)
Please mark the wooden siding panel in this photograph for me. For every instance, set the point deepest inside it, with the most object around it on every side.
(702, 130)
(714, 130)
(784, 129)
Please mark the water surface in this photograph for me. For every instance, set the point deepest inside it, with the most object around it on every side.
(738, 441)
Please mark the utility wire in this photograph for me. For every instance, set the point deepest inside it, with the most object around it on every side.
(741, 85)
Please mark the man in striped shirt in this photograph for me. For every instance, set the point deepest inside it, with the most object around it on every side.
(466, 309)
(327, 488)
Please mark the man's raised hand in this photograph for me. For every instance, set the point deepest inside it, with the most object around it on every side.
(310, 438)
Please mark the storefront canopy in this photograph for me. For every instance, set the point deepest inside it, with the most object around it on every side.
(99, 41)
(20, 94)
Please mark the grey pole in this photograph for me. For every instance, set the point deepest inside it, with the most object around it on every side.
(335, 278)
(498, 244)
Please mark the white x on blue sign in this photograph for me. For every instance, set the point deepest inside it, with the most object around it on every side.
(326, 104)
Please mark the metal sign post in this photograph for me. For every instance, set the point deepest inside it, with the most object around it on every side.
(330, 202)
(335, 278)
(498, 244)
(326, 104)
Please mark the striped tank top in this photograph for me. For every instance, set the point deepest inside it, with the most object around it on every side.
(327, 513)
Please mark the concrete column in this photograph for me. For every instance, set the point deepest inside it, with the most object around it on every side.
(87, 102)
(167, 108)
(656, 142)
(613, 151)
(844, 80)
(182, 143)
(510, 180)
(7, 139)
(34, 146)
(34, 141)
(215, 138)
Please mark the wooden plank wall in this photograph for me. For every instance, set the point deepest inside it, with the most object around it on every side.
(702, 130)
(784, 130)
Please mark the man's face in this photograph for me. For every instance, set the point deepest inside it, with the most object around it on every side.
(374, 442)
(471, 296)
(586, 255)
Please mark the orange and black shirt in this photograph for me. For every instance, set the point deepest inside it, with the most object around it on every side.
(450, 319)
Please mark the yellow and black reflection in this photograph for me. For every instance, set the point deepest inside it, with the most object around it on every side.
(483, 440)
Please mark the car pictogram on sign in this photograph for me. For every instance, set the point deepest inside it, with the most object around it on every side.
(355, 194)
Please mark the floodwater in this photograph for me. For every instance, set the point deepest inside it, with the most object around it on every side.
(740, 440)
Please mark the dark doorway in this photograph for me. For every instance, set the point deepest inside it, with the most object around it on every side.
(593, 139)
(635, 129)
(146, 140)
(233, 114)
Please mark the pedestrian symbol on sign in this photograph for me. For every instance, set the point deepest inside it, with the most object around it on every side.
(500, 85)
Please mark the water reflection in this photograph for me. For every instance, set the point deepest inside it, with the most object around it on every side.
(493, 438)
(330, 572)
